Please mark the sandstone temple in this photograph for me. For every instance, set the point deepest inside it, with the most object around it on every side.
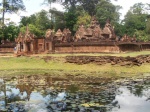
(91, 39)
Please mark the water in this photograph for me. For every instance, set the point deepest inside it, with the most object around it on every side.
(130, 102)
(50, 94)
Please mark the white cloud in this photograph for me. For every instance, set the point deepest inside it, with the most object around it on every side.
(32, 7)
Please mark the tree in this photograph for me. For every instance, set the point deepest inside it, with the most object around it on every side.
(135, 19)
(34, 30)
(106, 10)
(71, 19)
(27, 20)
(10, 6)
(119, 29)
(9, 32)
(148, 26)
(83, 19)
(142, 35)
(69, 3)
(43, 20)
(137, 22)
(38, 23)
(134, 22)
(58, 19)
(89, 6)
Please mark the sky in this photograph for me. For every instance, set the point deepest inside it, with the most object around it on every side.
(33, 6)
(126, 4)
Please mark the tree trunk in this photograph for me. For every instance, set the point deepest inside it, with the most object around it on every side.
(3, 16)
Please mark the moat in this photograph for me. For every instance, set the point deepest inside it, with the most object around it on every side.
(74, 94)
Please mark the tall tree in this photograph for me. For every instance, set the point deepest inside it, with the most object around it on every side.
(71, 19)
(106, 10)
(83, 19)
(9, 32)
(38, 23)
(58, 19)
(135, 19)
(33, 29)
(148, 26)
(10, 6)
(28, 20)
(136, 22)
(43, 20)
(89, 6)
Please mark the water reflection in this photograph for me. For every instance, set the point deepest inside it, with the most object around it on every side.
(131, 102)
(48, 94)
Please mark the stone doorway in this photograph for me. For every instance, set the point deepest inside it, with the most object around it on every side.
(47, 46)
(28, 46)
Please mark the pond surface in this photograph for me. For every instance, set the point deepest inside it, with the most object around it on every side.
(74, 94)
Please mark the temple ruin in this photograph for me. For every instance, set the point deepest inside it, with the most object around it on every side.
(91, 39)
(94, 32)
(28, 43)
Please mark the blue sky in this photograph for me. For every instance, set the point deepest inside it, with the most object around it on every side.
(33, 6)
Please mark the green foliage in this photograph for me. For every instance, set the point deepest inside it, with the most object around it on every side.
(83, 19)
(71, 19)
(119, 29)
(58, 20)
(1, 34)
(106, 10)
(42, 20)
(38, 23)
(27, 20)
(9, 32)
(137, 8)
(148, 26)
(79, 12)
(69, 3)
(134, 22)
(89, 6)
(142, 36)
(33, 29)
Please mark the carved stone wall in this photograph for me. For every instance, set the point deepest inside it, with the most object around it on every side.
(7, 47)
(6, 50)
(87, 49)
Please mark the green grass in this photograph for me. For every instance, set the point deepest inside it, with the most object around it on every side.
(36, 65)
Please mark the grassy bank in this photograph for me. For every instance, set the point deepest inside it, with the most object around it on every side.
(132, 54)
(57, 66)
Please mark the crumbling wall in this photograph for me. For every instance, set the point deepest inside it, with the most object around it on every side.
(113, 60)
(7, 47)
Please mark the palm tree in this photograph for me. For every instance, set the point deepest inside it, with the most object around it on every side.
(11, 6)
